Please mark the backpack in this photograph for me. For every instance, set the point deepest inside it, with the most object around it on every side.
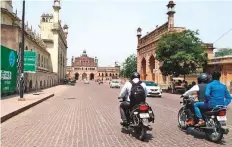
(137, 95)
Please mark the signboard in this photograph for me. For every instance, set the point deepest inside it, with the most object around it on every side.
(30, 59)
(222, 52)
(8, 70)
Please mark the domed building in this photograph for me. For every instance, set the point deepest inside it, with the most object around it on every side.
(85, 67)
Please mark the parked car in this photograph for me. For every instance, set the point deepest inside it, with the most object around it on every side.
(153, 89)
(86, 81)
(115, 84)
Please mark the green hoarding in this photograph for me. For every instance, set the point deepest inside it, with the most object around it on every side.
(8, 70)
(30, 61)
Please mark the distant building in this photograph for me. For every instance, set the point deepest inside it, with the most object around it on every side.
(85, 67)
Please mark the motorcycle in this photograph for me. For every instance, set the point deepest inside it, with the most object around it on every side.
(138, 118)
(215, 119)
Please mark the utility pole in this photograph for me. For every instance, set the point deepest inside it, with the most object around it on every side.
(21, 62)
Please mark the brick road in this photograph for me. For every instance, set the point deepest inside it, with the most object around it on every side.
(88, 116)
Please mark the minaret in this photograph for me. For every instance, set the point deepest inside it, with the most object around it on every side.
(56, 9)
(96, 61)
(72, 61)
(65, 28)
(170, 13)
(139, 34)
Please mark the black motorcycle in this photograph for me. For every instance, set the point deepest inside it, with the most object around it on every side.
(215, 119)
(138, 118)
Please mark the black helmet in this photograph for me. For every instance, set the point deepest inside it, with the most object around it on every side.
(203, 78)
(135, 75)
(216, 75)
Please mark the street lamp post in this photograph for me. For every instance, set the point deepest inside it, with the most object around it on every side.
(21, 62)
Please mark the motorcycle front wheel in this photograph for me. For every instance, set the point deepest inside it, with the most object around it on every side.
(182, 118)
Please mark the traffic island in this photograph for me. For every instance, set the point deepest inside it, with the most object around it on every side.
(12, 106)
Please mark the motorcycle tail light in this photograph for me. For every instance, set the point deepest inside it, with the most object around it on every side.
(222, 113)
(143, 107)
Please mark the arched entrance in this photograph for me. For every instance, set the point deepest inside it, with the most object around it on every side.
(41, 84)
(84, 76)
(76, 76)
(30, 85)
(143, 66)
(152, 66)
(91, 76)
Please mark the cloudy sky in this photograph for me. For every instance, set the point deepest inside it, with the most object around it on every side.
(107, 28)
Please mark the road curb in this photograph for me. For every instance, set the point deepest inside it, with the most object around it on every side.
(16, 112)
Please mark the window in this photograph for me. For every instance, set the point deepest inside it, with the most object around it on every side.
(38, 59)
(26, 48)
(42, 61)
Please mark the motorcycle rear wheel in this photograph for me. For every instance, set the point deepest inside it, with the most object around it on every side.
(143, 133)
(216, 135)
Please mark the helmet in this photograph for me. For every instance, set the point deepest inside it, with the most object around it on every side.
(203, 78)
(216, 75)
(135, 75)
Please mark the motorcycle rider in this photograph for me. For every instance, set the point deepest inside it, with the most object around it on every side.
(126, 93)
(216, 93)
(202, 81)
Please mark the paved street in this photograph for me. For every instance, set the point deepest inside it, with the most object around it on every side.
(88, 116)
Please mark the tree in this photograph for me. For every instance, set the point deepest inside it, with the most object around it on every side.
(129, 66)
(181, 53)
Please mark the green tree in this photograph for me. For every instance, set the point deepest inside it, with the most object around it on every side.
(129, 66)
(181, 53)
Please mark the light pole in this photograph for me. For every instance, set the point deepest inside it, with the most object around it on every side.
(21, 62)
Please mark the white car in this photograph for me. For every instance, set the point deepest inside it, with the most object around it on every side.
(115, 84)
(153, 89)
(86, 81)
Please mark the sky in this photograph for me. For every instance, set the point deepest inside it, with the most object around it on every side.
(107, 28)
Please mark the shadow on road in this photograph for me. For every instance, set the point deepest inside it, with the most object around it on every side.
(154, 97)
(201, 135)
(133, 134)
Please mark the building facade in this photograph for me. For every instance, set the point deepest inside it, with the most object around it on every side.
(222, 61)
(147, 65)
(11, 37)
(85, 67)
(55, 38)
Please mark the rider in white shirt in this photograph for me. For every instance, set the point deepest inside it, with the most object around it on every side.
(125, 93)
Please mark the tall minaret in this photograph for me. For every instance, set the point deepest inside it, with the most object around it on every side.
(56, 9)
(170, 13)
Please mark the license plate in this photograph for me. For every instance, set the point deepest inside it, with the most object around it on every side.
(221, 118)
(144, 115)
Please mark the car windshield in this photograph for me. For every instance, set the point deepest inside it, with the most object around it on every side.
(148, 83)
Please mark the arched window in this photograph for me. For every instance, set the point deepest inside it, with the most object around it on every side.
(26, 48)
(43, 20)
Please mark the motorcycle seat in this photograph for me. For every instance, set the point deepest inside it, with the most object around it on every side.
(211, 111)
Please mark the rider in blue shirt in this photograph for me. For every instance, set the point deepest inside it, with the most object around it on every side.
(215, 94)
